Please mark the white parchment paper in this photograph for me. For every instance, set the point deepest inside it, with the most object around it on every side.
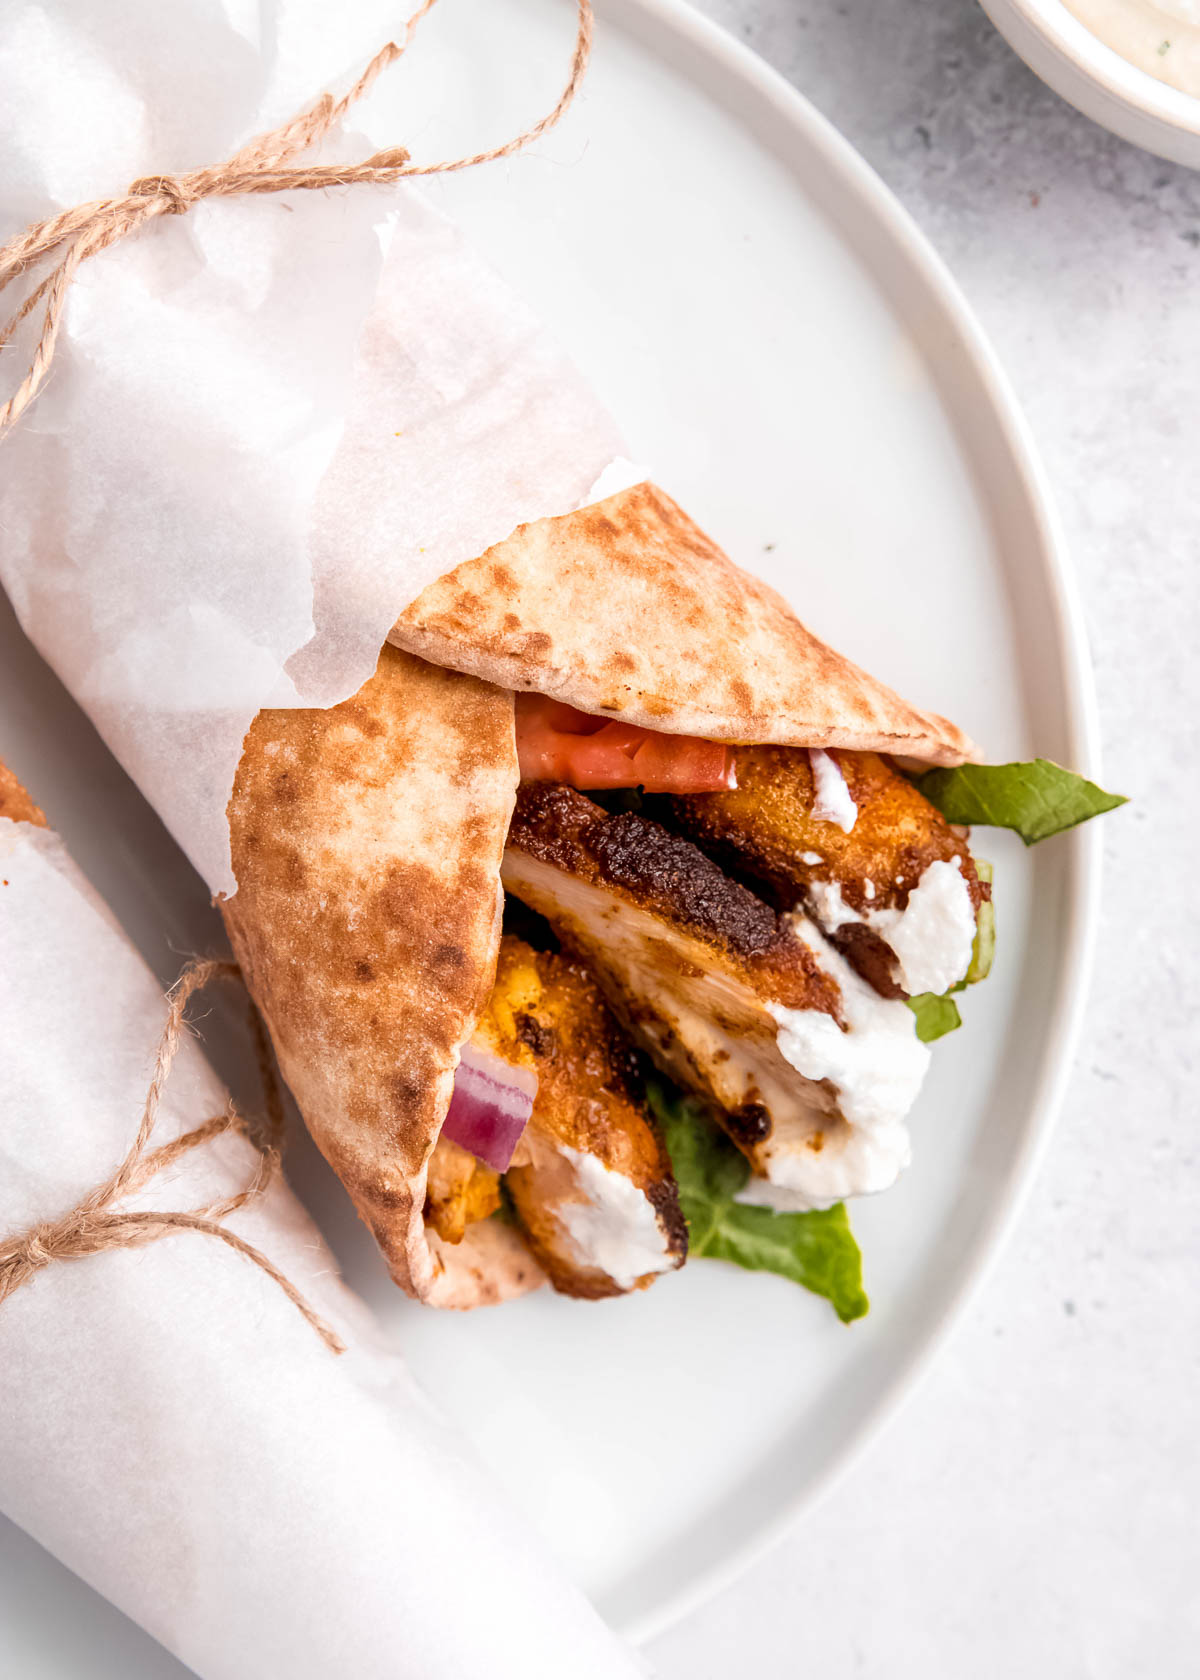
(172, 1429)
(270, 422)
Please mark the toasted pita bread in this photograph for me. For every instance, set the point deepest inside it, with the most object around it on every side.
(366, 843)
(627, 608)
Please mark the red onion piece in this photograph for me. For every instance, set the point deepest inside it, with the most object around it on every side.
(491, 1104)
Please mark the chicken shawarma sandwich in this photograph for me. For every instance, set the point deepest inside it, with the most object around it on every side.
(736, 915)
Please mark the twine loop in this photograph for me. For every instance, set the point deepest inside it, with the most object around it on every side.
(96, 1226)
(88, 229)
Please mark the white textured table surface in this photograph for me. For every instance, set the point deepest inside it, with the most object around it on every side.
(1035, 1511)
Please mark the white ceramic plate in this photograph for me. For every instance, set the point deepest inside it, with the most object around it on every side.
(1098, 81)
(794, 361)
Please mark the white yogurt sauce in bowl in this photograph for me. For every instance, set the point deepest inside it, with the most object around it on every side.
(1161, 37)
(1132, 65)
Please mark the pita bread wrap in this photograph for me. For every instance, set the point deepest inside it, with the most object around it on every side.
(627, 607)
(367, 840)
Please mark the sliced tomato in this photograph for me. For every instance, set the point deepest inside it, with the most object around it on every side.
(556, 743)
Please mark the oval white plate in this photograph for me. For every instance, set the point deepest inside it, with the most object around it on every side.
(786, 350)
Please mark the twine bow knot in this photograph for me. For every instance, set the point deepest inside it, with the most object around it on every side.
(95, 1225)
(35, 1250)
(259, 167)
(162, 186)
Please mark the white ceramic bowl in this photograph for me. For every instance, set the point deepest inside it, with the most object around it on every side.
(1097, 80)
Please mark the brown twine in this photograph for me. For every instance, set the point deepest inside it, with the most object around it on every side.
(93, 1226)
(257, 168)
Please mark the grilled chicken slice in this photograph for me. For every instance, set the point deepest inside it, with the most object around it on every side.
(811, 1071)
(459, 1191)
(898, 894)
(590, 1182)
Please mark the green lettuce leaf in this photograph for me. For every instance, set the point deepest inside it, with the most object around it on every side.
(816, 1250)
(984, 948)
(937, 1014)
(1037, 798)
